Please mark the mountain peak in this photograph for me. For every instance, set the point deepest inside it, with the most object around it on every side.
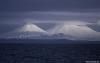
(76, 31)
(29, 27)
(28, 30)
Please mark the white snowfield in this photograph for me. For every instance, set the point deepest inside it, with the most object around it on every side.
(30, 28)
(74, 30)
(27, 31)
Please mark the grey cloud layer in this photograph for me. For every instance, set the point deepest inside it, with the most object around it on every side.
(48, 16)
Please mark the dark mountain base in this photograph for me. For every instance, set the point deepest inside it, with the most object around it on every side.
(48, 53)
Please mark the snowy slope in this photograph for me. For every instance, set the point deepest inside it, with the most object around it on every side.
(27, 31)
(76, 32)
(30, 28)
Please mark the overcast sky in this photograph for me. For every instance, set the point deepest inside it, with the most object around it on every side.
(43, 5)
(52, 10)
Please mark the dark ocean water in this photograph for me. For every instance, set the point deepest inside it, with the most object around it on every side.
(48, 53)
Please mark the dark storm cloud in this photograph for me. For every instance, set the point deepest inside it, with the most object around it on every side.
(31, 5)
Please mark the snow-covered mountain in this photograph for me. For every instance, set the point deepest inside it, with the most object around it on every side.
(27, 31)
(67, 30)
(30, 28)
(75, 32)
